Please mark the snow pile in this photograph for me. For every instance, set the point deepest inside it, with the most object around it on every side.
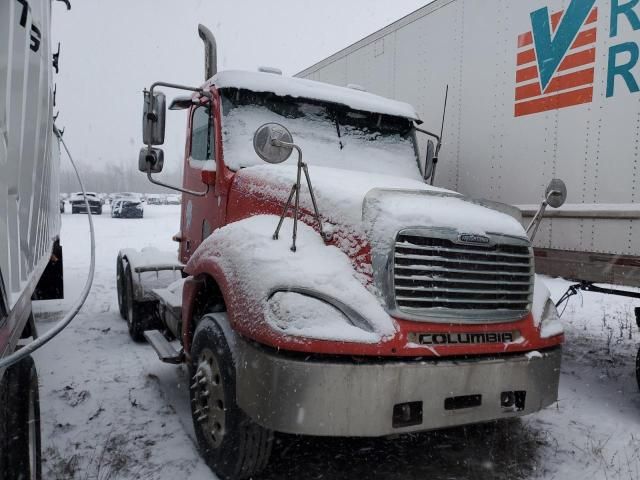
(302, 88)
(544, 311)
(317, 136)
(300, 315)
(385, 212)
(339, 193)
(540, 296)
(258, 266)
(172, 294)
(150, 257)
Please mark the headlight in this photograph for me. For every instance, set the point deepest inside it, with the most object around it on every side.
(310, 314)
(550, 325)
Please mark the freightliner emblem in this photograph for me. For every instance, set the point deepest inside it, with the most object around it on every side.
(472, 238)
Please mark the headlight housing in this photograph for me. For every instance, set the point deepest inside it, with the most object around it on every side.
(310, 314)
(550, 326)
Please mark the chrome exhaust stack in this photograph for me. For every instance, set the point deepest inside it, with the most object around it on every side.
(210, 52)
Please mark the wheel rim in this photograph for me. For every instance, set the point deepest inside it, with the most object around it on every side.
(208, 398)
(33, 447)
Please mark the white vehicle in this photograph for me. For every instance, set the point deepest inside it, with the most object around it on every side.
(526, 102)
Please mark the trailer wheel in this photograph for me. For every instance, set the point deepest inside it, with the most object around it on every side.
(120, 285)
(20, 423)
(136, 311)
(232, 444)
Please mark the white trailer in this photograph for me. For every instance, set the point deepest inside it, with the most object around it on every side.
(30, 253)
(537, 89)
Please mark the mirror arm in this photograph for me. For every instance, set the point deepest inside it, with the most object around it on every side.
(153, 115)
(532, 229)
(172, 187)
(426, 132)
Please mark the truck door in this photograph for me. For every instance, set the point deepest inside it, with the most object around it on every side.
(200, 215)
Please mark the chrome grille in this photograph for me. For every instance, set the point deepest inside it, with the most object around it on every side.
(435, 274)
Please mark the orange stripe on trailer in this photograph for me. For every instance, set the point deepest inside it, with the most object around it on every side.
(585, 38)
(571, 80)
(553, 102)
(528, 91)
(527, 56)
(555, 20)
(563, 82)
(525, 39)
(578, 59)
(525, 74)
(593, 16)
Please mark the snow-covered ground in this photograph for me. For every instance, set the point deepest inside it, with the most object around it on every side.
(111, 410)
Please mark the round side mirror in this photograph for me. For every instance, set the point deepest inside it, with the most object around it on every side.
(270, 141)
(556, 193)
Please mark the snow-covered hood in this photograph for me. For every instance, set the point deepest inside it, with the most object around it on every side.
(377, 205)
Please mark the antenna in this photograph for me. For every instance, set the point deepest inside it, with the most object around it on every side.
(444, 113)
(439, 145)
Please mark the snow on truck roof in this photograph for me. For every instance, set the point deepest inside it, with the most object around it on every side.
(302, 88)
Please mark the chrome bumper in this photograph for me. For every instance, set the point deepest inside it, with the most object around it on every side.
(342, 398)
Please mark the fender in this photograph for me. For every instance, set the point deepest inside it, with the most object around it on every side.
(248, 321)
(198, 269)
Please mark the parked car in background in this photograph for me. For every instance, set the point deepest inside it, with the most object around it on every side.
(78, 206)
(155, 199)
(127, 205)
(174, 199)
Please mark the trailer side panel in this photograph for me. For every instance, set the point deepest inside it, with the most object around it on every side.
(507, 132)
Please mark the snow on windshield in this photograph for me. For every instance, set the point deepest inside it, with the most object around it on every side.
(313, 129)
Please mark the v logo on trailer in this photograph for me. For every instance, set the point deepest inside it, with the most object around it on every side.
(551, 51)
(555, 60)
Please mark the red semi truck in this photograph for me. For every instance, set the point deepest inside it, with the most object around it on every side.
(322, 286)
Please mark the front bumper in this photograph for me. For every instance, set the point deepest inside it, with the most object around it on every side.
(131, 212)
(344, 398)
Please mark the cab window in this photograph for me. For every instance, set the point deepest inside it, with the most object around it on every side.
(202, 136)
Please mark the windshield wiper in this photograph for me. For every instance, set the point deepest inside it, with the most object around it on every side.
(335, 118)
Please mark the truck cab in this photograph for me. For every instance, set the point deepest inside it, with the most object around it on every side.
(379, 305)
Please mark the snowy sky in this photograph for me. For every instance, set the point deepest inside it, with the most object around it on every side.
(112, 49)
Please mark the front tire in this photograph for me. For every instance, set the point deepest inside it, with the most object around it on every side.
(20, 441)
(233, 445)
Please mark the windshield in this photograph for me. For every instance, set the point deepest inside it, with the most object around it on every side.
(329, 135)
